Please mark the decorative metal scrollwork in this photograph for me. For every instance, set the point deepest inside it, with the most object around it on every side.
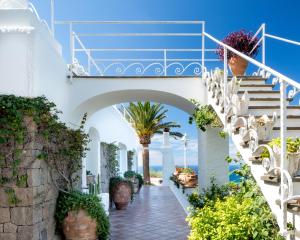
(292, 93)
(156, 69)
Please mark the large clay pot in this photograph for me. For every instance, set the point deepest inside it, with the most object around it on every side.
(78, 225)
(237, 65)
(121, 195)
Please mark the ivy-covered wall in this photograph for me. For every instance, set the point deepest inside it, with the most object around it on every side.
(27, 194)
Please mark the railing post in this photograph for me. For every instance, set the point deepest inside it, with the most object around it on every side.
(165, 62)
(89, 61)
(203, 50)
(283, 151)
(52, 18)
(225, 73)
(72, 43)
(263, 54)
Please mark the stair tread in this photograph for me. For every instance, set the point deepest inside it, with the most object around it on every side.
(255, 78)
(273, 107)
(270, 116)
(288, 128)
(259, 91)
(257, 85)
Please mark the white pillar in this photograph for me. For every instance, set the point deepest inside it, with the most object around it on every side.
(212, 152)
(14, 4)
(123, 158)
(83, 175)
(167, 159)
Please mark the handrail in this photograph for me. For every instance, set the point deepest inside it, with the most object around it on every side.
(146, 50)
(255, 62)
(282, 39)
(86, 51)
(128, 22)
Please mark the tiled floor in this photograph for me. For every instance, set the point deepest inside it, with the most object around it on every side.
(154, 214)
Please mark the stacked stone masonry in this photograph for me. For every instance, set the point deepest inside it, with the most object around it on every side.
(32, 218)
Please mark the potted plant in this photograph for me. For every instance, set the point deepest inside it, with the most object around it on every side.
(243, 42)
(131, 176)
(81, 216)
(292, 154)
(121, 192)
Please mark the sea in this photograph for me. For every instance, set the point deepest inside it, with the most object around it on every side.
(232, 176)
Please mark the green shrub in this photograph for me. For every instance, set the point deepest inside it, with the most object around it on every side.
(140, 178)
(204, 116)
(209, 194)
(129, 174)
(90, 203)
(234, 212)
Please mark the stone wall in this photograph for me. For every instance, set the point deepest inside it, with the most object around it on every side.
(33, 217)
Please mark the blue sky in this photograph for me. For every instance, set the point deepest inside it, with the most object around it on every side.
(281, 17)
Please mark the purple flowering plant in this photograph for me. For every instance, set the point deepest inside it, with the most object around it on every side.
(241, 41)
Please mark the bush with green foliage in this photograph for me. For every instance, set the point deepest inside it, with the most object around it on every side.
(204, 116)
(131, 174)
(140, 178)
(74, 201)
(237, 212)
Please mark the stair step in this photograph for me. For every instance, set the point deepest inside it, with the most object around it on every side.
(251, 80)
(291, 121)
(250, 87)
(269, 110)
(261, 93)
(266, 101)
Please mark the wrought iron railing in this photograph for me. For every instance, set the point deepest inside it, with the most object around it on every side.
(162, 61)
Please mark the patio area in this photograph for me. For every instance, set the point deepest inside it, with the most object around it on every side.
(154, 214)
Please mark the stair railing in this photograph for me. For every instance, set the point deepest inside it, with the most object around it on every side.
(284, 82)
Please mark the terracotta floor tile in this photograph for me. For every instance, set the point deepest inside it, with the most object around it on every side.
(155, 214)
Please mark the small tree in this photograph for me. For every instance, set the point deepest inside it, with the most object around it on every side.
(147, 120)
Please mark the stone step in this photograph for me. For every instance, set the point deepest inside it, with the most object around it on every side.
(251, 80)
(261, 93)
(269, 110)
(266, 101)
(291, 121)
(256, 87)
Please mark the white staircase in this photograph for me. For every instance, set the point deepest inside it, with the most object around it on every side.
(261, 98)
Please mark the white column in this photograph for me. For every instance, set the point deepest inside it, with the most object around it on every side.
(122, 158)
(212, 152)
(167, 159)
(83, 175)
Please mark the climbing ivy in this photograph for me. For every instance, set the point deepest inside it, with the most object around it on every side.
(110, 152)
(130, 155)
(63, 148)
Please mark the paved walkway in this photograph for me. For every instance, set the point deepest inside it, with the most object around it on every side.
(155, 214)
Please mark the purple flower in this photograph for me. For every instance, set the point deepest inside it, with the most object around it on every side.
(241, 41)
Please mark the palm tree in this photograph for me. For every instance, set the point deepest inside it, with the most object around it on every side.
(147, 120)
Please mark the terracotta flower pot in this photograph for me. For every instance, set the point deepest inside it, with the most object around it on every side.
(78, 225)
(122, 195)
(237, 65)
